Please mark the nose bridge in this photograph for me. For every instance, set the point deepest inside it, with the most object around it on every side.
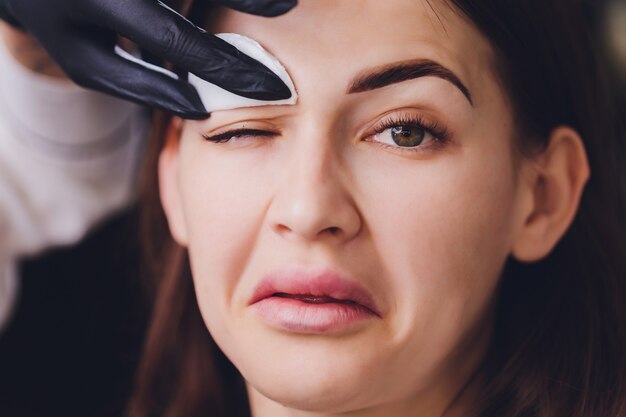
(313, 200)
(316, 160)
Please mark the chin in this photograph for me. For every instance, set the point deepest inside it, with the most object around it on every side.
(327, 397)
(316, 380)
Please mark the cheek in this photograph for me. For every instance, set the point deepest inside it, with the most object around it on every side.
(442, 229)
(224, 199)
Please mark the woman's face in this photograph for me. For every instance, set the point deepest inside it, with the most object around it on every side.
(404, 187)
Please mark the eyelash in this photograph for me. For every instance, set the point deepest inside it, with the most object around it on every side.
(439, 133)
(226, 136)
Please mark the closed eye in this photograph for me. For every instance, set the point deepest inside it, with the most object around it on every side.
(237, 134)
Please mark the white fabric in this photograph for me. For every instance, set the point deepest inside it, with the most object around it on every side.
(68, 159)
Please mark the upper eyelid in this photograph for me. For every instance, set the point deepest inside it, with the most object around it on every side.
(240, 123)
(408, 112)
(432, 125)
(248, 131)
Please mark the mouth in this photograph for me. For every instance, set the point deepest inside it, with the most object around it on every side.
(312, 301)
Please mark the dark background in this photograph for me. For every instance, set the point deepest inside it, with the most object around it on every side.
(73, 343)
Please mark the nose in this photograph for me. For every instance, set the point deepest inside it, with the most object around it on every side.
(313, 201)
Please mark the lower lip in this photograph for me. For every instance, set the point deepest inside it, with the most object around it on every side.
(301, 317)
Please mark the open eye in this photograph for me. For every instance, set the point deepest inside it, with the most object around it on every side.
(406, 136)
(408, 133)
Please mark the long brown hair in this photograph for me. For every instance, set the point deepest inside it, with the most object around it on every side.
(559, 346)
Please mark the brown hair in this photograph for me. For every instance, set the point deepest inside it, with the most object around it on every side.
(559, 346)
(560, 341)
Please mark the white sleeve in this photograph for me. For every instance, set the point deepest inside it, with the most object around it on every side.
(68, 158)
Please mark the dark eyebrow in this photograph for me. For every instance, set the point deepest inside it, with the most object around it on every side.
(403, 71)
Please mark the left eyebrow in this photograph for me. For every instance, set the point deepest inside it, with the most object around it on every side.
(407, 70)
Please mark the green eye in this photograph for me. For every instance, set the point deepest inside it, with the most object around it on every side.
(407, 136)
(409, 133)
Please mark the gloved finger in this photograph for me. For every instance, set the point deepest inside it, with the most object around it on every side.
(268, 8)
(104, 70)
(165, 33)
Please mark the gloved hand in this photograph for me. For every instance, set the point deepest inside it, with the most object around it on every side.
(80, 35)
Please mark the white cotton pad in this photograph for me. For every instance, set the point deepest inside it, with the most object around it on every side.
(216, 98)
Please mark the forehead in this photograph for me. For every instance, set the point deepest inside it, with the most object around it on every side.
(327, 41)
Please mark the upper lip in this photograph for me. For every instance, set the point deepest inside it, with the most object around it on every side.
(318, 281)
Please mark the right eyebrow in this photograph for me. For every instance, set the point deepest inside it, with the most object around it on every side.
(406, 70)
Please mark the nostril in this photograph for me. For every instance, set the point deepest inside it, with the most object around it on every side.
(333, 230)
(281, 228)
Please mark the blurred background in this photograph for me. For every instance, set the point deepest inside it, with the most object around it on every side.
(65, 354)
(610, 27)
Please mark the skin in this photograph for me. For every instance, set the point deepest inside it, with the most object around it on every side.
(427, 233)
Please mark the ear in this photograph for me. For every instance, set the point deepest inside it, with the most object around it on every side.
(169, 185)
(560, 174)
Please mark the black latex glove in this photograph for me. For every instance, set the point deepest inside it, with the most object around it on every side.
(80, 36)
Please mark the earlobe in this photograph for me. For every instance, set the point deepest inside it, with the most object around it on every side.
(169, 189)
(562, 171)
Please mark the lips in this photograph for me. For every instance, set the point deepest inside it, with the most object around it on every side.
(312, 301)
